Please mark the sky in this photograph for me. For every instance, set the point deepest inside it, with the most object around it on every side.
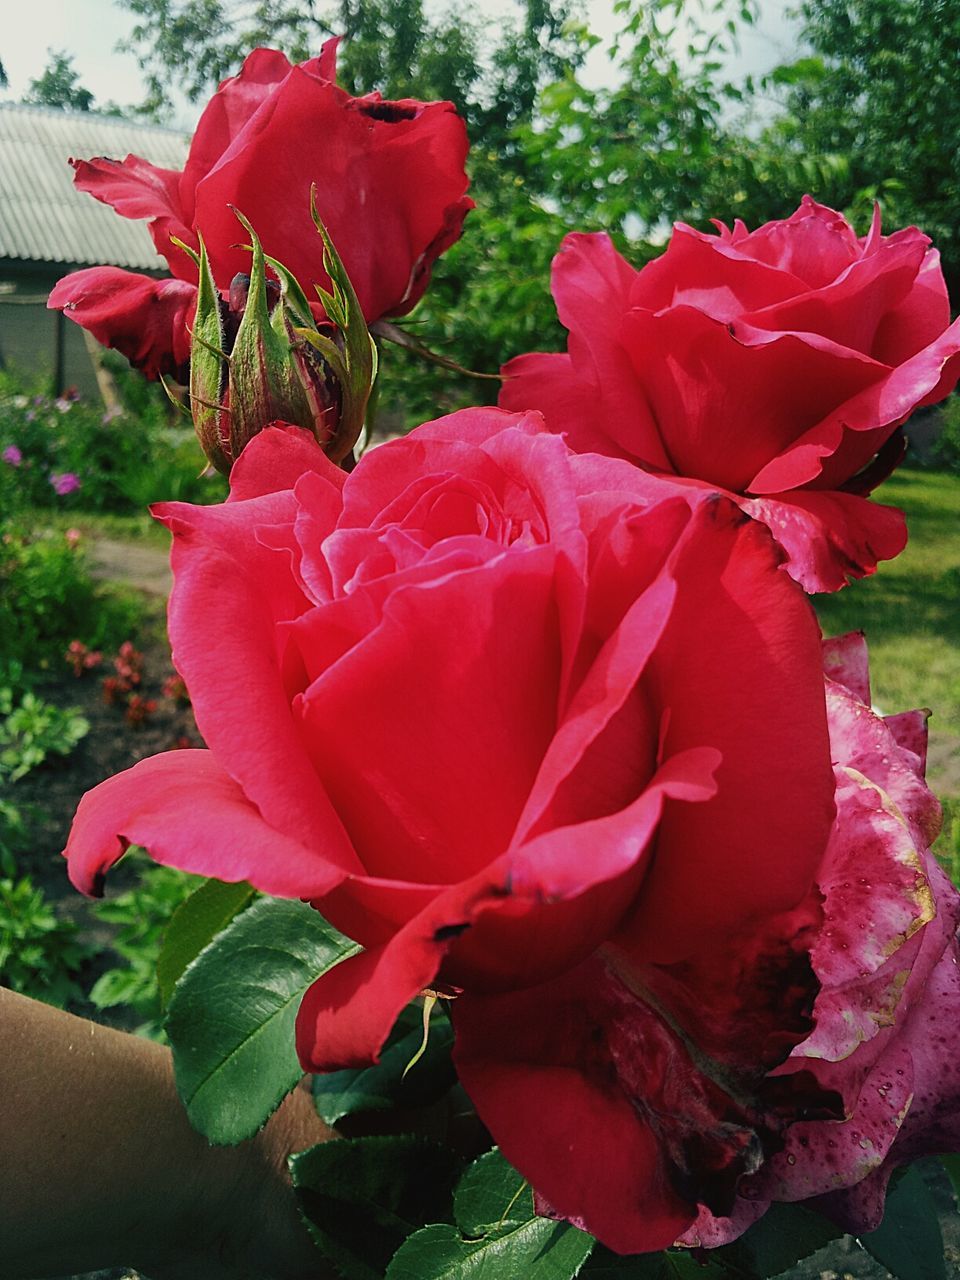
(91, 29)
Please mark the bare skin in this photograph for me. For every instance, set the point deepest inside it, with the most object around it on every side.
(99, 1166)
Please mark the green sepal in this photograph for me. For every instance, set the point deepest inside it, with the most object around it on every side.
(359, 351)
(187, 249)
(328, 349)
(265, 384)
(173, 397)
(292, 296)
(208, 368)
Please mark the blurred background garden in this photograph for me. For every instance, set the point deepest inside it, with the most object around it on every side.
(622, 117)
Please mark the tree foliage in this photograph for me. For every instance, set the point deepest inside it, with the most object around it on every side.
(866, 112)
(878, 94)
(394, 46)
(59, 86)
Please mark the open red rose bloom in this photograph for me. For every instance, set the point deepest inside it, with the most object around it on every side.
(551, 734)
(775, 365)
(391, 190)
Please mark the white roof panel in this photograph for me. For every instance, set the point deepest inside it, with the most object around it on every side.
(43, 218)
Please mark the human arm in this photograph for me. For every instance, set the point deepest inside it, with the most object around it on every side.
(99, 1165)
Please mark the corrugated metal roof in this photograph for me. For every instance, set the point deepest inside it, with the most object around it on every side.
(43, 218)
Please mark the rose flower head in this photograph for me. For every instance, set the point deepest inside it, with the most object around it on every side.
(391, 190)
(552, 735)
(775, 365)
(529, 726)
(261, 356)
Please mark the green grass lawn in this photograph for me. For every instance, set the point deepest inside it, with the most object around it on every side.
(910, 611)
(910, 608)
(136, 527)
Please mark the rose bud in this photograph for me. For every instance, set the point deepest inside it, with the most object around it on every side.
(774, 365)
(260, 357)
(392, 193)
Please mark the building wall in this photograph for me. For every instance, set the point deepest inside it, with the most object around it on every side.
(28, 331)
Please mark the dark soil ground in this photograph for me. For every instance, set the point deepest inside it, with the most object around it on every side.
(52, 792)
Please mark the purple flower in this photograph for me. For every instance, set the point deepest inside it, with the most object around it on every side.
(65, 482)
(12, 455)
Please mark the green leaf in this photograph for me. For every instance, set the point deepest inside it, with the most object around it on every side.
(908, 1241)
(498, 1234)
(491, 1195)
(384, 1086)
(673, 1264)
(361, 1197)
(952, 1166)
(195, 924)
(785, 1234)
(538, 1249)
(233, 1012)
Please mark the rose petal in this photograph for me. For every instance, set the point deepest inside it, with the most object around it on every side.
(868, 417)
(704, 381)
(535, 1066)
(154, 804)
(752, 848)
(360, 157)
(830, 538)
(228, 585)
(137, 189)
(236, 100)
(846, 662)
(147, 320)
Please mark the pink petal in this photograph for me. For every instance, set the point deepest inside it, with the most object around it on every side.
(703, 272)
(752, 849)
(815, 243)
(592, 285)
(823, 1155)
(846, 662)
(137, 189)
(830, 538)
(347, 1014)
(851, 309)
(703, 380)
(565, 396)
(867, 417)
(147, 320)
(909, 729)
(484, 673)
(275, 459)
(229, 586)
(188, 813)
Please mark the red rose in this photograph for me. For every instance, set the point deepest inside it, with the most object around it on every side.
(390, 188)
(494, 707)
(772, 364)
